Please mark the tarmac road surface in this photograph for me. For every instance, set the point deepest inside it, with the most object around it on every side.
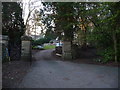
(46, 72)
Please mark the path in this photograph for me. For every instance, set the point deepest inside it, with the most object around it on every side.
(47, 72)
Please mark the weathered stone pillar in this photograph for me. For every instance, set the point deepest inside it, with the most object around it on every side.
(66, 50)
(26, 48)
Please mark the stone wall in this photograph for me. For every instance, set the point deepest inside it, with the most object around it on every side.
(26, 48)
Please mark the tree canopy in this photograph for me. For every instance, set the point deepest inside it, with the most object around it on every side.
(95, 23)
(13, 26)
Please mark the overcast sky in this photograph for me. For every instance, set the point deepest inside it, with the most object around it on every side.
(29, 7)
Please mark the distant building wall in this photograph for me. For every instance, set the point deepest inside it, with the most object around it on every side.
(4, 52)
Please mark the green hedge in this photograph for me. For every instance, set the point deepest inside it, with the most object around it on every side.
(40, 41)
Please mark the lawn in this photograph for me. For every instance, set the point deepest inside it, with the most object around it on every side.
(49, 47)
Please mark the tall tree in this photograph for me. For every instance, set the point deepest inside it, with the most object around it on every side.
(13, 26)
(97, 22)
(106, 22)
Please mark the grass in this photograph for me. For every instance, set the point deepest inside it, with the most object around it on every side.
(49, 47)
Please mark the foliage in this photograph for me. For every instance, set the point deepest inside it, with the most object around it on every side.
(73, 22)
(105, 31)
(107, 55)
(47, 20)
(40, 41)
(62, 18)
(13, 26)
(12, 22)
(107, 34)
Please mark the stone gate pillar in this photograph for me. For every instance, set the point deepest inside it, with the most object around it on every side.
(66, 50)
(26, 48)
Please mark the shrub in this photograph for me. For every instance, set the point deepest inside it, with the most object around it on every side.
(107, 55)
(40, 41)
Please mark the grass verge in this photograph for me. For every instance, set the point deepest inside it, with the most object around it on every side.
(49, 47)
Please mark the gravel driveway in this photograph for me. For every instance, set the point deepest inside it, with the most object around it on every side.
(46, 72)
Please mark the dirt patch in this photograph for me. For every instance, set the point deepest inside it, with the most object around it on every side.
(13, 72)
(91, 61)
(88, 57)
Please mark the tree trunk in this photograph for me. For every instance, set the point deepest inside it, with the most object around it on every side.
(115, 46)
(85, 37)
(35, 32)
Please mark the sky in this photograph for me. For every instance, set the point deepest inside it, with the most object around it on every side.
(27, 7)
